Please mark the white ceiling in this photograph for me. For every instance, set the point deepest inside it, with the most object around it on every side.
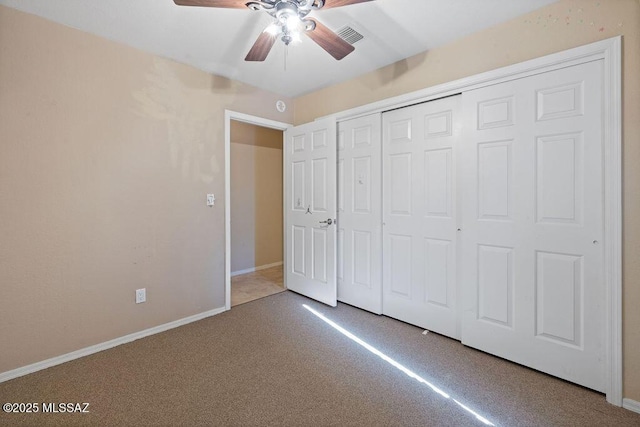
(217, 40)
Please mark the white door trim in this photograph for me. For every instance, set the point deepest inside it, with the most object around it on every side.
(610, 51)
(254, 120)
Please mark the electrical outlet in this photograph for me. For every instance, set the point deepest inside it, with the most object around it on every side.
(141, 295)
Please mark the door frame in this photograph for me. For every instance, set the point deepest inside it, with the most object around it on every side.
(254, 120)
(610, 52)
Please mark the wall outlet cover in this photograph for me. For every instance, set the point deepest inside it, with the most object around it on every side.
(141, 295)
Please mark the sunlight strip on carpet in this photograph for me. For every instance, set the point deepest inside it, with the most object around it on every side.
(394, 363)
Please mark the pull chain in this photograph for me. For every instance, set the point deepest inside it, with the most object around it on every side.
(286, 52)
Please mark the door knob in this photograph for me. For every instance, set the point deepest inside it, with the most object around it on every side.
(328, 222)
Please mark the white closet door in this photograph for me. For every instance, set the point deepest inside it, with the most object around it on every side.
(360, 213)
(533, 287)
(310, 210)
(419, 214)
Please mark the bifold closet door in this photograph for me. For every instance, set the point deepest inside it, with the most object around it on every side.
(532, 276)
(419, 214)
(360, 213)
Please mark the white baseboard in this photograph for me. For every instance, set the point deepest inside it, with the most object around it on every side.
(15, 373)
(631, 405)
(251, 270)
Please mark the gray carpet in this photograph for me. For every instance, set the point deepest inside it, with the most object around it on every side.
(272, 362)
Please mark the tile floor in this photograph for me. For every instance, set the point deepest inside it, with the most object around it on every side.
(259, 284)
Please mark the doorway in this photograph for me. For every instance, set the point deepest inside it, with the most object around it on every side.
(253, 207)
(256, 212)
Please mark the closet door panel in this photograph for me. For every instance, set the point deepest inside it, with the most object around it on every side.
(359, 213)
(532, 276)
(420, 247)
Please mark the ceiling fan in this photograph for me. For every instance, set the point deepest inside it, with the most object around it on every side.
(290, 21)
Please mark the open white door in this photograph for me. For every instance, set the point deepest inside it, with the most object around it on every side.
(310, 210)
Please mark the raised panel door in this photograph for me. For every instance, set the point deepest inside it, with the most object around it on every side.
(532, 276)
(420, 249)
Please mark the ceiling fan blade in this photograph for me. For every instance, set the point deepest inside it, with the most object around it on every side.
(330, 41)
(261, 47)
(235, 4)
(339, 3)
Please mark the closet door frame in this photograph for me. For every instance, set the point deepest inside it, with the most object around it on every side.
(610, 51)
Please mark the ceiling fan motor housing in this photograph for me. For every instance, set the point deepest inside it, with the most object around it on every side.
(286, 10)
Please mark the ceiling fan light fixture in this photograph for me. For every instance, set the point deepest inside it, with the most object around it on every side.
(273, 29)
(293, 23)
(295, 37)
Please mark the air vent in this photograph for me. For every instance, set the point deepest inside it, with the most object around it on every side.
(349, 35)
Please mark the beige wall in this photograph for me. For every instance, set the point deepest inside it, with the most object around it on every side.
(560, 26)
(106, 157)
(106, 154)
(256, 196)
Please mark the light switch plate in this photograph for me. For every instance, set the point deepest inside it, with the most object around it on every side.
(211, 199)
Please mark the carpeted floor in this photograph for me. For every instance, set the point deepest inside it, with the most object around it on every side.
(272, 362)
